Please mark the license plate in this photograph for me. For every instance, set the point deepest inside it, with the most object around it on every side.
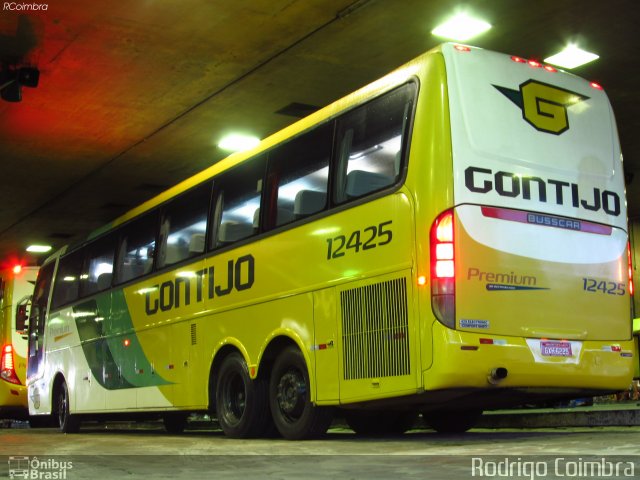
(555, 349)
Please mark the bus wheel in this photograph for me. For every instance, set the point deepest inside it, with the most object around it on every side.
(68, 423)
(175, 422)
(452, 422)
(367, 422)
(242, 404)
(296, 418)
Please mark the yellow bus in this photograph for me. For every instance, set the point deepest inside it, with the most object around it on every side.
(16, 287)
(449, 239)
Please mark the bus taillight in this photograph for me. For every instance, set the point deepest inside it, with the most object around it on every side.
(7, 366)
(443, 269)
(630, 269)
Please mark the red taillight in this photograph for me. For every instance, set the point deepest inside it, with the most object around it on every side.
(630, 269)
(597, 86)
(443, 268)
(7, 365)
(442, 246)
(17, 269)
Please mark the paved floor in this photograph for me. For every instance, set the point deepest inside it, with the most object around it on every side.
(115, 451)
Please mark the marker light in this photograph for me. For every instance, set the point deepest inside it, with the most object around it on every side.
(17, 269)
(443, 268)
(7, 368)
(534, 64)
(595, 85)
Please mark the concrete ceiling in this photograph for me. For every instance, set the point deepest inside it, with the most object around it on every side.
(134, 96)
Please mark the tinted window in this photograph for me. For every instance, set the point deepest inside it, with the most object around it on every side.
(370, 144)
(183, 226)
(97, 271)
(67, 285)
(298, 177)
(236, 210)
(136, 248)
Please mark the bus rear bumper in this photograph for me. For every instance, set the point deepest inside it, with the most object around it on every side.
(463, 360)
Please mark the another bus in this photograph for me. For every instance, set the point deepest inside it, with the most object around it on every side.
(448, 239)
(16, 287)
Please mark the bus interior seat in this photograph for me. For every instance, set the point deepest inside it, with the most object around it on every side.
(308, 202)
(175, 252)
(361, 182)
(196, 243)
(234, 231)
(104, 281)
(285, 215)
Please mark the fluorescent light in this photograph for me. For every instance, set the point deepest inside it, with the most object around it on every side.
(461, 27)
(571, 57)
(236, 142)
(38, 248)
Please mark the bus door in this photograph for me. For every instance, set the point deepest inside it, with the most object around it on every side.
(37, 321)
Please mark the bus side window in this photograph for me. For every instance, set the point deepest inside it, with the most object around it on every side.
(298, 177)
(136, 248)
(67, 285)
(97, 271)
(237, 197)
(370, 144)
(183, 226)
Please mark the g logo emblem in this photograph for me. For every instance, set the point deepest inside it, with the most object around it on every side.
(543, 106)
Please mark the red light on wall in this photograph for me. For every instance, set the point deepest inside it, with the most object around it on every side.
(126, 342)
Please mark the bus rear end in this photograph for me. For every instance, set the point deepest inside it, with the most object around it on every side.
(529, 268)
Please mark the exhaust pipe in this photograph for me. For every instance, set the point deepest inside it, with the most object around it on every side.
(496, 375)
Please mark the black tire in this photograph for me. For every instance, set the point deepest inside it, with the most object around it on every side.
(452, 421)
(67, 422)
(368, 422)
(294, 415)
(242, 404)
(175, 423)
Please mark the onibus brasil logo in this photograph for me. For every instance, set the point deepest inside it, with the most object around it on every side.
(543, 106)
(35, 468)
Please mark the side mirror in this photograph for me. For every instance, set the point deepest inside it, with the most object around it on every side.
(22, 314)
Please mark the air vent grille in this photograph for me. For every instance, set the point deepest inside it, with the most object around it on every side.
(375, 330)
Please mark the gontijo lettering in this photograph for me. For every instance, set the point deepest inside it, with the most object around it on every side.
(512, 185)
(239, 275)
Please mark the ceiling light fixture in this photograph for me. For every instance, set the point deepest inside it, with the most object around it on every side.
(571, 57)
(461, 27)
(39, 248)
(237, 142)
